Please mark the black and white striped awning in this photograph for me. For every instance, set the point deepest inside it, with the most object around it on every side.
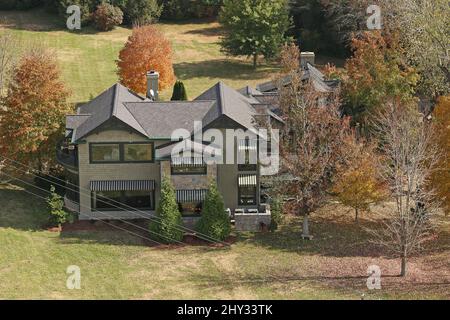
(247, 180)
(191, 195)
(190, 161)
(122, 185)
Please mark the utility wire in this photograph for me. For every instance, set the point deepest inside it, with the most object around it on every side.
(135, 210)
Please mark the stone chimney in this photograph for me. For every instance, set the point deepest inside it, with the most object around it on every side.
(307, 57)
(152, 85)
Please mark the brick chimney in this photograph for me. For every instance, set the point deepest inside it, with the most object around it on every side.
(307, 57)
(152, 85)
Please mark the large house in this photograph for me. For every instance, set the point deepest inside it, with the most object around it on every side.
(120, 146)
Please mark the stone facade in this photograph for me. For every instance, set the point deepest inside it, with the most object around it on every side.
(251, 221)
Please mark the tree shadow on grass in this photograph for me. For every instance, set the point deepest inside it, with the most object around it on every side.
(331, 238)
(209, 31)
(222, 69)
(336, 238)
(21, 210)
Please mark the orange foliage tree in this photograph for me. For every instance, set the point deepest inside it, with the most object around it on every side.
(34, 110)
(377, 70)
(441, 177)
(357, 184)
(146, 49)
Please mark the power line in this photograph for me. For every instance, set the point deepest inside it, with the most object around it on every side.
(135, 210)
(110, 217)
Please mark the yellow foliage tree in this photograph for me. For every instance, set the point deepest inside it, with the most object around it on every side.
(357, 185)
(441, 177)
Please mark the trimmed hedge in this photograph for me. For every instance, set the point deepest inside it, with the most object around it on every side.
(166, 227)
(214, 221)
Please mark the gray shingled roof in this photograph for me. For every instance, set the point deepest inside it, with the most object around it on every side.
(75, 120)
(231, 103)
(310, 73)
(107, 105)
(160, 119)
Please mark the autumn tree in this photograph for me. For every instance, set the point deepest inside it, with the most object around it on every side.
(441, 177)
(310, 141)
(407, 142)
(146, 49)
(376, 71)
(107, 16)
(423, 29)
(34, 110)
(357, 183)
(254, 27)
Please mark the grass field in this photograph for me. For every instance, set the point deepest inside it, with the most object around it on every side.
(88, 57)
(116, 265)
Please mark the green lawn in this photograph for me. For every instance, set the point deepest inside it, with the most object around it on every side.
(116, 265)
(88, 57)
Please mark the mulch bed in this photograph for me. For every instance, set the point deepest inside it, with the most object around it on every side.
(134, 226)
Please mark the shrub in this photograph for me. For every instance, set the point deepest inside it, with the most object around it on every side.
(179, 92)
(166, 227)
(19, 4)
(276, 214)
(142, 12)
(55, 205)
(214, 221)
(106, 17)
(187, 9)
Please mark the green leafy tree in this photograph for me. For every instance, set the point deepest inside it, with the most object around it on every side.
(276, 212)
(142, 12)
(167, 226)
(55, 205)
(214, 222)
(179, 92)
(254, 27)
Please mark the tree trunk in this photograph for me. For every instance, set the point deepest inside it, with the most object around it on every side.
(255, 57)
(403, 270)
(305, 230)
(356, 214)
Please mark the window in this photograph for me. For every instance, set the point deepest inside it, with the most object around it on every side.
(112, 200)
(138, 152)
(188, 166)
(105, 152)
(247, 195)
(246, 146)
(121, 152)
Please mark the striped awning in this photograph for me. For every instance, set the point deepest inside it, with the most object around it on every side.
(247, 144)
(191, 195)
(191, 161)
(247, 180)
(122, 185)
